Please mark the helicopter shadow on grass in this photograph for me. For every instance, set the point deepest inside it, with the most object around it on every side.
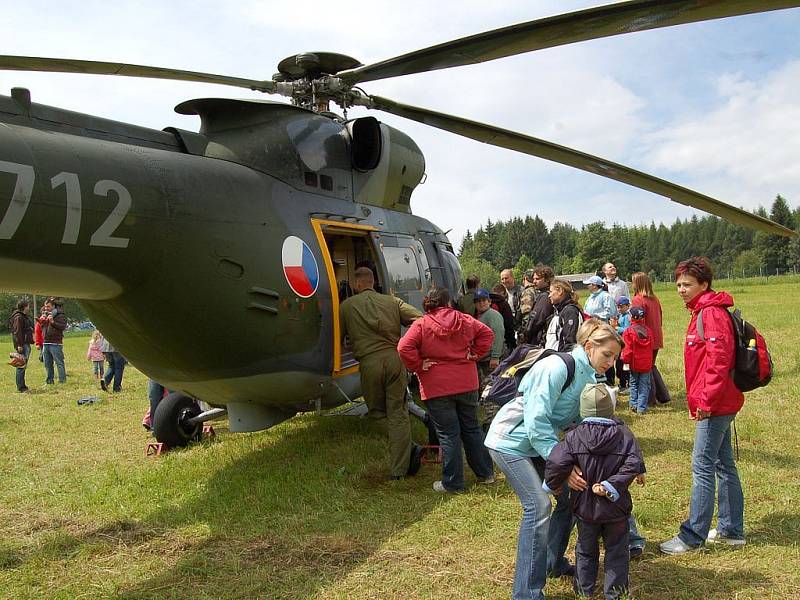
(289, 518)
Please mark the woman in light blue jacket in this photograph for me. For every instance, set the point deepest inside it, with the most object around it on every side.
(521, 441)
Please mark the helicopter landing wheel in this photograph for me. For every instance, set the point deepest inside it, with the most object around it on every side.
(171, 424)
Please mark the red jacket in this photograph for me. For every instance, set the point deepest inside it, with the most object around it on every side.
(638, 350)
(709, 385)
(652, 317)
(445, 336)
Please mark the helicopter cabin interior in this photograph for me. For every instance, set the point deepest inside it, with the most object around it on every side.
(348, 246)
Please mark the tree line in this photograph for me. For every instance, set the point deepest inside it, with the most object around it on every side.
(736, 251)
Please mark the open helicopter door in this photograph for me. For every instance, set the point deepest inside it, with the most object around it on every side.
(407, 266)
(344, 247)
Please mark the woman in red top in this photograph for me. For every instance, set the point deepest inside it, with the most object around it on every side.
(713, 401)
(442, 348)
(644, 296)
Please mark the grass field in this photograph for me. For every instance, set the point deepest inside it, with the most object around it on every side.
(304, 510)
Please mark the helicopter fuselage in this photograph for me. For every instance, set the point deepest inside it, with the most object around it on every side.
(216, 261)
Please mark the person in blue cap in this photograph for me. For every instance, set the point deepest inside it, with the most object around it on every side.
(600, 305)
(622, 321)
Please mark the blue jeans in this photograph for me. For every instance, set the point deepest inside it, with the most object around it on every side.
(640, 391)
(456, 420)
(26, 352)
(712, 458)
(116, 368)
(561, 523)
(54, 353)
(530, 573)
(155, 392)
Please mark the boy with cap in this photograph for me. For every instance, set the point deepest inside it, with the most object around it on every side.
(622, 321)
(638, 353)
(609, 457)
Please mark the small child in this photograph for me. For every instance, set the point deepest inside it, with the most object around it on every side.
(638, 353)
(622, 321)
(95, 353)
(608, 455)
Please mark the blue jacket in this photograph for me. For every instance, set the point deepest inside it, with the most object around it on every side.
(624, 322)
(530, 426)
(600, 304)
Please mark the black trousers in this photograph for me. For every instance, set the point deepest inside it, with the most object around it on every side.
(615, 564)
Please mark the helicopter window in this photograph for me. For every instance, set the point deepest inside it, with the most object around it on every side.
(311, 179)
(404, 275)
(326, 182)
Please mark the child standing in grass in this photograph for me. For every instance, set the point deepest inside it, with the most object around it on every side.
(95, 353)
(609, 457)
(638, 353)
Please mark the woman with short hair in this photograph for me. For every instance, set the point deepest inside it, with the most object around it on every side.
(713, 400)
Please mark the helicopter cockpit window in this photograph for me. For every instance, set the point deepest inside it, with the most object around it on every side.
(404, 275)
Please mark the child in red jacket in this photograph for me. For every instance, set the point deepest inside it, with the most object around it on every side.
(638, 353)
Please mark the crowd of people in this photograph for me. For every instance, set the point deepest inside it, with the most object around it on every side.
(46, 334)
(559, 440)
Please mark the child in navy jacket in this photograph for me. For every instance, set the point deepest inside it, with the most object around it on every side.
(609, 457)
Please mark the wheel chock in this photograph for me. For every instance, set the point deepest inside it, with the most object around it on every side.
(208, 431)
(155, 449)
(431, 455)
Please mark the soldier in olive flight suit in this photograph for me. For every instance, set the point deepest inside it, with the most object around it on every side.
(372, 323)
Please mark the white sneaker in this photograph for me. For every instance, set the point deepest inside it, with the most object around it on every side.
(714, 537)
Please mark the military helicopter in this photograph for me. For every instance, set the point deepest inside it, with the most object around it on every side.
(216, 260)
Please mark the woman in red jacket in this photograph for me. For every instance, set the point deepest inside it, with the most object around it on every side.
(644, 297)
(442, 348)
(713, 401)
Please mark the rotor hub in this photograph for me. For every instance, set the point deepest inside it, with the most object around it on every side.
(311, 65)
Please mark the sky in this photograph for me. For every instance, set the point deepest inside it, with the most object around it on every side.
(712, 106)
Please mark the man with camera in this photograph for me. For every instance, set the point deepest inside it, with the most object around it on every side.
(54, 322)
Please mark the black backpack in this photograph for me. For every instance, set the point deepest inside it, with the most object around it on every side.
(504, 381)
(753, 365)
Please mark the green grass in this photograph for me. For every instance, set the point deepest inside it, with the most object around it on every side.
(304, 510)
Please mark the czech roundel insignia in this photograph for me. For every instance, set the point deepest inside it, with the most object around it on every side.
(299, 267)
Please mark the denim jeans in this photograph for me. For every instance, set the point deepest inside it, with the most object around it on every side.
(640, 391)
(54, 353)
(561, 523)
(712, 458)
(456, 420)
(116, 368)
(530, 573)
(155, 392)
(26, 352)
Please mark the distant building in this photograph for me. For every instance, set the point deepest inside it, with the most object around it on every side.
(577, 279)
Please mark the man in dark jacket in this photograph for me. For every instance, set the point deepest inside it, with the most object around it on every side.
(22, 338)
(609, 457)
(534, 327)
(53, 350)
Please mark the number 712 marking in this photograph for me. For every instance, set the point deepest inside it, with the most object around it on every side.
(21, 199)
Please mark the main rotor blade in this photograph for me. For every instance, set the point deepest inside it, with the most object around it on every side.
(579, 26)
(91, 67)
(512, 140)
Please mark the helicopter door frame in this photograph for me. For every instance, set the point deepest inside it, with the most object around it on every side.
(327, 226)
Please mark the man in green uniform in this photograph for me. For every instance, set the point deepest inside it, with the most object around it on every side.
(466, 303)
(372, 321)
